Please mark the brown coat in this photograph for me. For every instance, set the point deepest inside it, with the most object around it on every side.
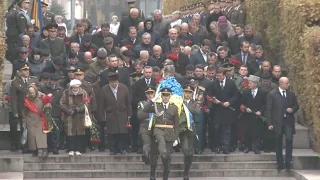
(117, 110)
(75, 125)
(37, 139)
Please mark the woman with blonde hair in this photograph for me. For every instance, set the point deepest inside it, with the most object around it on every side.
(32, 119)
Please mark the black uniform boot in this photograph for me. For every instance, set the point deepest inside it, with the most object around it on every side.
(187, 165)
(166, 171)
(153, 172)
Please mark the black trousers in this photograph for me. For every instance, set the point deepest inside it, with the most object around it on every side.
(135, 129)
(102, 144)
(54, 136)
(222, 135)
(12, 52)
(15, 135)
(252, 133)
(287, 131)
(75, 143)
(117, 142)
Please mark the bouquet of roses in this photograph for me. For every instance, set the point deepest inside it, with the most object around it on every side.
(174, 58)
(244, 85)
(50, 123)
(94, 130)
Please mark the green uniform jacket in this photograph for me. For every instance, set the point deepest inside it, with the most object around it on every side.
(56, 47)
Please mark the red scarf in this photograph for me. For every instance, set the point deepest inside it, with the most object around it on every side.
(29, 104)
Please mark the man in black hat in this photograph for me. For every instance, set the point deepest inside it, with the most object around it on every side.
(110, 46)
(87, 86)
(23, 58)
(55, 140)
(18, 91)
(165, 128)
(53, 43)
(48, 17)
(132, 4)
(44, 79)
(73, 60)
(87, 45)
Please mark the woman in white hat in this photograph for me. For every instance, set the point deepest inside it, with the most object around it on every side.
(114, 26)
(59, 19)
(73, 103)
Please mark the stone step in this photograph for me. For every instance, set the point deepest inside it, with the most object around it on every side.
(194, 178)
(146, 173)
(142, 166)
(239, 157)
(301, 139)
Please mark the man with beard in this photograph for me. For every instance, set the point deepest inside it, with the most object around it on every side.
(127, 21)
(148, 27)
(55, 137)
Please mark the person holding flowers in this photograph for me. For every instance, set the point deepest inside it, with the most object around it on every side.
(73, 103)
(117, 108)
(253, 104)
(34, 120)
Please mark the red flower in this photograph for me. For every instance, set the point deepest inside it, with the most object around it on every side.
(188, 42)
(209, 99)
(30, 49)
(67, 43)
(173, 57)
(85, 100)
(91, 51)
(158, 79)
(245, 84)
(95, 141)
(91, 97)
(205, 109)
(46, 99)
(128, 125)
(235, 61)
(8, 98)
(129, 46)
(242, 107)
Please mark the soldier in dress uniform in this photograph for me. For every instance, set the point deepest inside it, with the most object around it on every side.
(48, 17)
(18, 91)
(144, 119)
(165, 127)
(238, 14)
(12, 32)
(229, 9)
(186, 135)
(134, 77)
(87, 86)
(203, 14)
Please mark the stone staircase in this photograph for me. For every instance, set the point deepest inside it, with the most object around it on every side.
(102, 165)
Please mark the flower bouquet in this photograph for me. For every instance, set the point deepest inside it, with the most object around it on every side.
(244, 85)
(49, 124)
(94, 130)
(188, 42)
(128, 125)
(129, 46)
(92, 51)
(174, 58)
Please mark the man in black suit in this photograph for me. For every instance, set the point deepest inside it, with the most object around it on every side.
(201, 56)
(80, 32)
(131, 41)
(235, 41)
(158, 56)
(166, 44)
(280, 109)
(253, 101)
(183, 59)
(146, 60)
(138, 95)
(246, 58)
(224, 95)
(123, 73)
(250, 36)
(127, 21)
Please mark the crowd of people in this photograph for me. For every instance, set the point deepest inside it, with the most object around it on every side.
(233, 97)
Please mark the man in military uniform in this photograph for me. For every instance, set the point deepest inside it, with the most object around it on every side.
(144, 119)
(203, 14)
(187, 135)
(47, 16)
(238, 14)
(53, 43)
(79, 74)
(229, 9)
(132, 4)
(18, 91)
(165, 128)
(55, 141)
(17, 20)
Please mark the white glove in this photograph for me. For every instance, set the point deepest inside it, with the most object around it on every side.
(32, 21)
(175, 143)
